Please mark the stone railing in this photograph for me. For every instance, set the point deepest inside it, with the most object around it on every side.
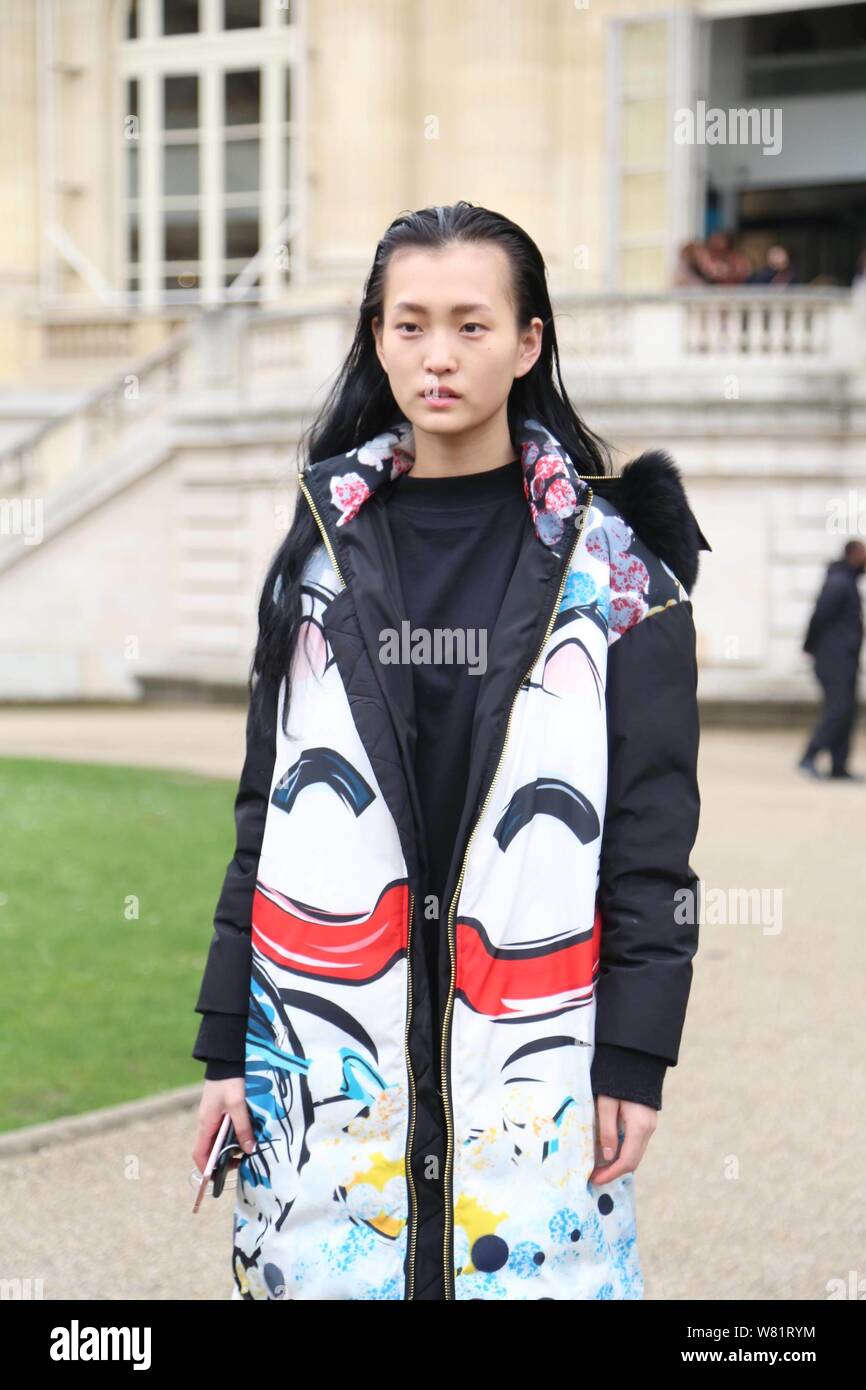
(821, 330)
(101, 424)
(682, 342)
(297, 347)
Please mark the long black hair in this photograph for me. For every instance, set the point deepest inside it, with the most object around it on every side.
(360, 404)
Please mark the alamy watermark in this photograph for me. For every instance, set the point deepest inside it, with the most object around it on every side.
(740, 125)
(439, 646)
(723, 907)
(22, 516)
(86, 1343)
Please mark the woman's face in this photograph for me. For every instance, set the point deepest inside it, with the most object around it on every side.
(448, 325)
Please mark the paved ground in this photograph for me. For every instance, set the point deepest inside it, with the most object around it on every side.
(198, 738)
(752, 1185)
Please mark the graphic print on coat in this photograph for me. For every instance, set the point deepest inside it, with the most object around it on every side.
(538, 1117)
(323, 1208)
(322, 1204)
(528, 1224)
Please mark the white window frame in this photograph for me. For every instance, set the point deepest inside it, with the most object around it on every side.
(685, 58)
(274, 50)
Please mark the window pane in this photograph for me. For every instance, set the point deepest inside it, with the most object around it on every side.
(132, 97)
(180, 16)
(643, 204)
(183, 280)
(288, 115)
(242, 166)
(180, 103)
(131, 170)
(242, 232)
(132, 19)
(805, 53)
(241, 14)
(180, 234)
(645, 57)
(180, 171)
(287, 164)
(644, 126)
(249, 290)
(132, 238)
(242, 97)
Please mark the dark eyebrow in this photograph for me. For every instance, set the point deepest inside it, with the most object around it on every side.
(405, 307)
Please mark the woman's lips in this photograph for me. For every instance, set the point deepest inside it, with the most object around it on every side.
(434, 399)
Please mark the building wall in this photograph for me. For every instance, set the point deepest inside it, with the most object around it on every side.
(511, 104)
(20, 201)
(508, 103)
(557, 115)
(504, 102)
(162, 578)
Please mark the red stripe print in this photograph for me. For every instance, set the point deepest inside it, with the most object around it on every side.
(516, 982)
(331, 946)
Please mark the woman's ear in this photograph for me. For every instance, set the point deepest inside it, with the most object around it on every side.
(375, 325)
(530, 347)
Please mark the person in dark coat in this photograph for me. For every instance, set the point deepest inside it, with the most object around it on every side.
(833, 639)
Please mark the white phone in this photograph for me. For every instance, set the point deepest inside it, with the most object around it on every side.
(218, 1143)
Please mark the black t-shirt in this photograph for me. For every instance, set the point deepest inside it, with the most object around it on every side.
(457, 540)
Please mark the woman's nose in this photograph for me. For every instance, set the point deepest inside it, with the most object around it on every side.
(439, 359)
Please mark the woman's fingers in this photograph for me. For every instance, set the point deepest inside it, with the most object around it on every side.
(607, 1139)
(209, 1122)
(243, 1125)
(638, 1123)
(221, 1098)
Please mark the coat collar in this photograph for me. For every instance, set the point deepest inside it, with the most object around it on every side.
(554, 491)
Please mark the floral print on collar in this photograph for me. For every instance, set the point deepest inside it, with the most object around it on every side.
(555, 493)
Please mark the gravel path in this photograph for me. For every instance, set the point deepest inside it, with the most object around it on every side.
(752, 1184)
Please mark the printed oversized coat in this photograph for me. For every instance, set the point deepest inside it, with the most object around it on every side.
(401, 1155)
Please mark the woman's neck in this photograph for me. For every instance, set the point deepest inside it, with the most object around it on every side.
(478, 450)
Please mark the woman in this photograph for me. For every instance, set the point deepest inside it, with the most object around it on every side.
(451, 959)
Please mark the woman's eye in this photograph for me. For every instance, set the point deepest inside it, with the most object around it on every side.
(407, 325)
(474, 325)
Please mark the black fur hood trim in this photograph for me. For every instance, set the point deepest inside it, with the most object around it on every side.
(650, 495)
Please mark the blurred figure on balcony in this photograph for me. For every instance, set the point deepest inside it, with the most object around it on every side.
(776, 269)
(833, 639)
(687, 273)
(718, 262)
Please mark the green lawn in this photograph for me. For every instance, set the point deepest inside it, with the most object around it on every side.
(98, 1001)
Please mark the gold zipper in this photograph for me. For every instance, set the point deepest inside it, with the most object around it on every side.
(413, 1221)
(325, 537)
(449, 1211)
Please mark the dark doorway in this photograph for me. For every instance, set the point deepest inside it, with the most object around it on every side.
(823, 228)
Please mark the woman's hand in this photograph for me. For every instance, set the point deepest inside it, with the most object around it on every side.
(219, 1098)
(638, 1123)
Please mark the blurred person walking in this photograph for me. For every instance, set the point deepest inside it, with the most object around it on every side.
(833, 639)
